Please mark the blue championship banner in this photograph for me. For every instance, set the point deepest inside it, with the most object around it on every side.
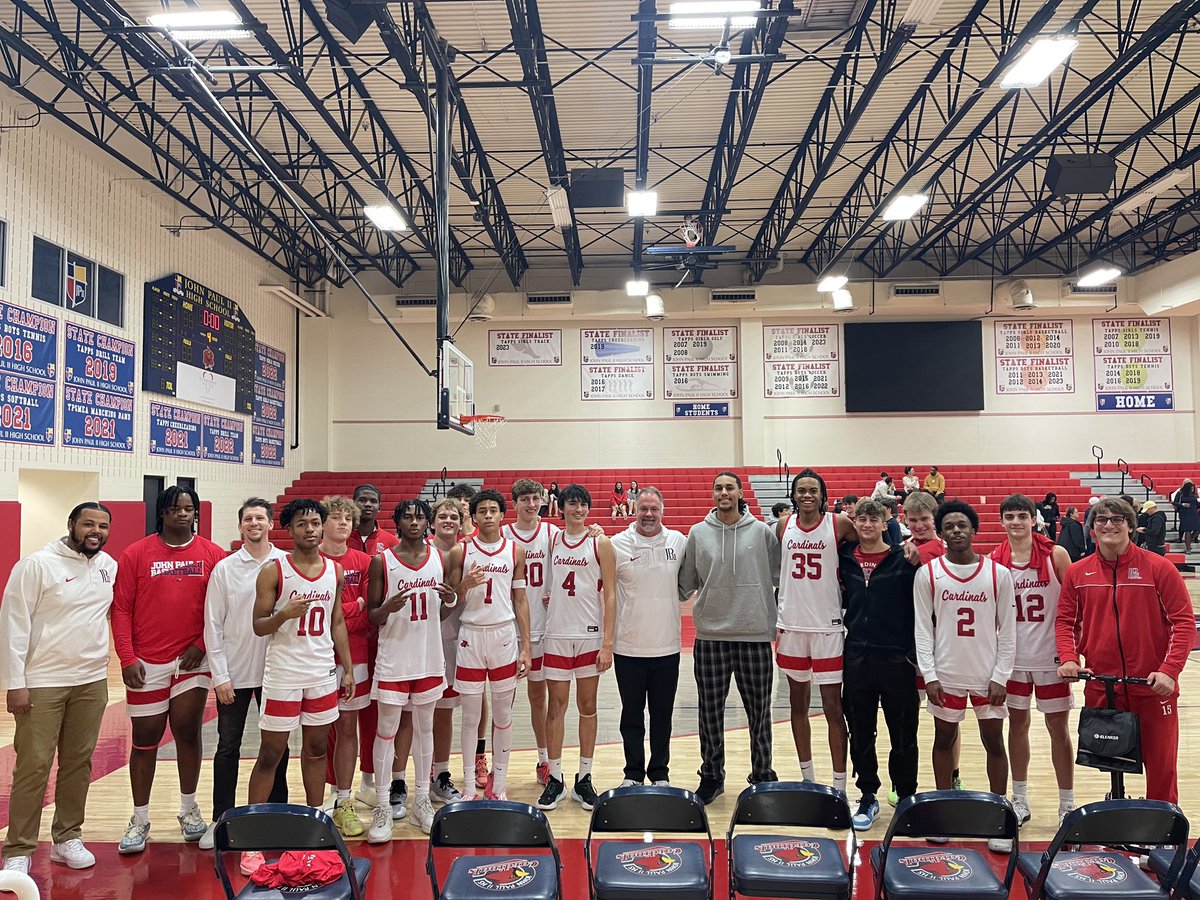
(266, 446)
(223, 440)
(270, 387)
(26, 410)
(174, 431)
(97, 420)
(28, 343)
(269, 365)
(93, 359)
(268, 405)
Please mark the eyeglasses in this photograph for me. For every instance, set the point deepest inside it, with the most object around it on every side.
(1101, 521)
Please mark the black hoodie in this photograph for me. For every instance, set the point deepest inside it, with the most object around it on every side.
(879, 613)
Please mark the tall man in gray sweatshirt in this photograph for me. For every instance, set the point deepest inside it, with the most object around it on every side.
(731, 561)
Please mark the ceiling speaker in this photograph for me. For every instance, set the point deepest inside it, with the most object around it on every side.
(598, 188)
(350, 19)
(1072, 174)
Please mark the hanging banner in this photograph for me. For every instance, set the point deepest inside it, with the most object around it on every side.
(269, 403)
(715, 381)
(1134, 368)
(1035, 375)
(175, 431)
(525, 348)
(1034, 337)
(1133, 373)
(618, 382)
(799, 342)
(97, 420)
(26, 410)
(814, 378)
(706, 345)
(266, 446)
(93, 359)
(28, 342)
(269, 366)
(616, 346)
(1123, 337)
(223, 440)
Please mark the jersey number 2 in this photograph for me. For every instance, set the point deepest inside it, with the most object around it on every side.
(312, 623)
(966, 622)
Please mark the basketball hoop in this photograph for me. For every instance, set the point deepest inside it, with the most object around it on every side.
(486, 429)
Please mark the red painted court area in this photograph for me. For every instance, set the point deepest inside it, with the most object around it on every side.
(398, 872)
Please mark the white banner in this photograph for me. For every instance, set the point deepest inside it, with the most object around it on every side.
(705, 381)
(616, 346)
(1034, 337)
(1035, 375)
(1118, 374)
(525, 348)
(1126, 337)
(801, 378)
(709, 345)
(800, 342)
(632, 382)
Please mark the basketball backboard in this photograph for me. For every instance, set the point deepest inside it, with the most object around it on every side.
(456, 390)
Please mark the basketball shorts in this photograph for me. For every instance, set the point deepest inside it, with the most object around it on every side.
(165, 682)
(811, 655)
(567, 658)
(417, 691)
(957, 700)
(1053, 695)
(362, 689)
(537, 671)
(486, 654)
(285, 708)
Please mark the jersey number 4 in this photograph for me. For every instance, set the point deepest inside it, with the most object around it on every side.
(806, 565)
(312, 623)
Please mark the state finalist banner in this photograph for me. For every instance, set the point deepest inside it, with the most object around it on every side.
(102, 362)
(28, 343)
(700, 363)
(175, 431)
(635, 382)
(97, 420)
(616, 346)
(26, 410)
(706, 381)
(223, 440)
(266, 446)
(801, 361)
(525, 348)
(1035, 357)
(1134, 369)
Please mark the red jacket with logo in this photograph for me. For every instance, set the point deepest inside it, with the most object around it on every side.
(1132, 616)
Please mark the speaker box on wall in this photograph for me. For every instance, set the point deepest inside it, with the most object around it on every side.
(598, 188)
(350, 19)
(1069, 174)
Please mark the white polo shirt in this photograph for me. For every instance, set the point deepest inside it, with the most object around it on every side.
(648, 607)
(235, 653)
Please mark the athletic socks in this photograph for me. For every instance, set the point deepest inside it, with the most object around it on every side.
(141, 814)
(1021, 789)
(543, 755)
(806, 770)
(585, 767)
(343, 795)
(402, 775)
(1066, 799)
(368, 781)
(440, 767)
(186, 803)
(556, 768)
(839, 781)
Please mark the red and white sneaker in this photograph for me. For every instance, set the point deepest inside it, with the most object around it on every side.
(543, 772)
(250, 861)
(481, 770)
(492, 795)
(468, 796)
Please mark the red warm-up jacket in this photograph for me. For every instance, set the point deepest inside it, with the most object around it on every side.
(1128, 617)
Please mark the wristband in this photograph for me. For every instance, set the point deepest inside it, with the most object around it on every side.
(518, 583)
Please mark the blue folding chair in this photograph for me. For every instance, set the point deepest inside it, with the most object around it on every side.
(785, 865)
(1184, 884)
(637, 870)
(270, 827)
(1086, 874)
(495, 825)
(938, 871)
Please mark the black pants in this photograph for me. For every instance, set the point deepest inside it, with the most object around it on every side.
(231, 724)
(869, 681)
(642, 681)
(751, 665)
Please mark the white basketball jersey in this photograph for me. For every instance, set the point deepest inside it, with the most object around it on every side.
(576, 589)
(1037, 607)
(410, 640)
(810, 598)
(536, 545)
(966, 610)
(300, 654)
(491, 602)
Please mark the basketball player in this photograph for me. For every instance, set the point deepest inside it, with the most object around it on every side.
(237, 655)
(448, 516)
(342, 519)
(367, 535)
(810, 617)
(580, 632)
(464, 494)
(965, 633)
(158, 632)
(299, 606)
(488, 572)
(1037, 567)
(534, 536)
(406, 597)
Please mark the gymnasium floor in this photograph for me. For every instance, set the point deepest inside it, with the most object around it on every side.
(171, 868)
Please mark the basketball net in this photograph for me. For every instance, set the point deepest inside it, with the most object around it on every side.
(691, 232)
(487, 429)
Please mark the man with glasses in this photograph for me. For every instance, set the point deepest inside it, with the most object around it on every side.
(1126, 611)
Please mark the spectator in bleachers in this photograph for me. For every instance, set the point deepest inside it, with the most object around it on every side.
(935, 483)
(778, 511)
(1050, 515)
(555, 496)
(1152, 531)
(911, 482)
(1089, 546)
(632, 493)
(883, 487)
(1071, 537)
(847, 505)
(892, 524)
(1188, 509)
(619, 501)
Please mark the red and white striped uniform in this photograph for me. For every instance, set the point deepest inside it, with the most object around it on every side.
(410, 659)
(301, 651)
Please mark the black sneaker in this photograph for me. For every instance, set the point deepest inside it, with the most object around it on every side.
(399, 793)
(709, 790)
(584, 792)
(552, 794)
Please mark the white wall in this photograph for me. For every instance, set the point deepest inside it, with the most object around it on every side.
(55, 186)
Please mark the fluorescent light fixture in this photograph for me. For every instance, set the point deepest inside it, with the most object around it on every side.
(843, 301)
(1037, 61)
(637, 288)
(1097, 275)
(641, 203)
(904, 206)
(921, 12)
(713, 13)
(1154, 189)
(202, 25)
(831, 283)
(560, 207)
(385, 217)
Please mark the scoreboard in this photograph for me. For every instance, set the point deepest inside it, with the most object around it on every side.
(198, 345)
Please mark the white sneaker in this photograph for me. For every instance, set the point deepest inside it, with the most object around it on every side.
(380, 831)
(399, 810)
(206, 842)
(422, 812)
(1000, 845)
(73, 854)
(19, 864)
(662, 782)
(629, 782)
(1021, 805)
(1064, 811)
(938, 840)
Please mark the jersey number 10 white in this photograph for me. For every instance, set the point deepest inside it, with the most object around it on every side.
(312, 623)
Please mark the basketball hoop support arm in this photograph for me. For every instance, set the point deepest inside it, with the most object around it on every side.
(441, 200)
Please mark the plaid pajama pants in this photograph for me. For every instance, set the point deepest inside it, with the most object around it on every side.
(752, 667)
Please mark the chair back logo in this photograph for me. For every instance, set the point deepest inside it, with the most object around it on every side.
(505, 875)
(939, 865)
(1091, 869)
(793, 853)
(654, 860)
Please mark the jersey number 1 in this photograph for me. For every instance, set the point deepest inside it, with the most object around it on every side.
(312, 623)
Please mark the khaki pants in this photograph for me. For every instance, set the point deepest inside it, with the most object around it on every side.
(65, 719)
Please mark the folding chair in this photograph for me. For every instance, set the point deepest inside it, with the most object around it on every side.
(636, 870)
(495, 825)
(777, 865)
(1185, 884)
(282, 826)
(922, 871)
(1087, 874)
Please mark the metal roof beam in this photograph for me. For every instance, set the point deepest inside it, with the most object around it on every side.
(526, 26)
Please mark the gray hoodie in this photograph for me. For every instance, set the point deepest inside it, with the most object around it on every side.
(735, 568)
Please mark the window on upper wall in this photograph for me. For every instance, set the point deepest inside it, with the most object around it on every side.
(76, 283)
(3, 253)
